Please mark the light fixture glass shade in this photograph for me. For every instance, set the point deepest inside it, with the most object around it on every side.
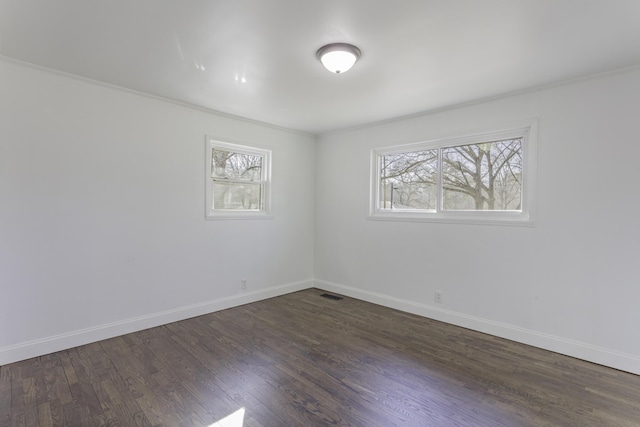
(338, 57)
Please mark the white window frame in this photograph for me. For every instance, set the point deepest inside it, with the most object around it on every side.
(265, 181)
(524, 217)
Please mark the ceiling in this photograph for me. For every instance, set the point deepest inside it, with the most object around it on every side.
(256, 58)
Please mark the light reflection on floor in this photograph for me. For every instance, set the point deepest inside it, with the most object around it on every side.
(234, 420)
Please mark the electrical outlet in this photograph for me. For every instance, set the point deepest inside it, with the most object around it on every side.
(437, 295)
(243, 284)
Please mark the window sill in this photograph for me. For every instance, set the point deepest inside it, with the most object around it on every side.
(478, 218)
(237, 215)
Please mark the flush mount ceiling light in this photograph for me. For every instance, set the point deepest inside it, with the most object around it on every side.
(338, 57)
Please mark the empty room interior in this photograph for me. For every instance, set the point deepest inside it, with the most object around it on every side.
(206, 222)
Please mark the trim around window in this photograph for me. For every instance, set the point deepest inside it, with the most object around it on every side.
(486, 178)
(237, 181)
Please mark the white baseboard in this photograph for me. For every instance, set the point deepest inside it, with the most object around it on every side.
(27, 350)
(579, 350)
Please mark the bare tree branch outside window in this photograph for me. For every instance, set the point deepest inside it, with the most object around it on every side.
(485, 176)
(408, 180)
(482, 176)
(237, 180)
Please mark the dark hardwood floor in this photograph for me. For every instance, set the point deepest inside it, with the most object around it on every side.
(304, 360)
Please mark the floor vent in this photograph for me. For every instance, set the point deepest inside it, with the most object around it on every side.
(331, 296)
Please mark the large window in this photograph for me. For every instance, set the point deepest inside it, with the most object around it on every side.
(237, 181)
(479, 178)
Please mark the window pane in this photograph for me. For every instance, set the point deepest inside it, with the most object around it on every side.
(408, 180)
(238, 166)
(234, 196)
(485, 176)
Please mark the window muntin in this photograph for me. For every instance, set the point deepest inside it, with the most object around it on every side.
(479, 178)
(237, 181)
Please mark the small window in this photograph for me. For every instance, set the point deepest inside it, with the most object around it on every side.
(480, 178)
(237, 181)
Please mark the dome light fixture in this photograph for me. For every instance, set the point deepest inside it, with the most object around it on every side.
(338, 57)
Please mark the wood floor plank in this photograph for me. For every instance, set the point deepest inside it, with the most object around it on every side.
(281, 354)
(44, 415)
(396, 403)
(30, 401)
(17, 393)
(220, 391)
(237, 388)
(174, 366)
(258, 360)
(132, 365)
(5, 396)
(304, 360)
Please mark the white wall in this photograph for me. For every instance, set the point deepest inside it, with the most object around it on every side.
(570, 284)
(102, 226)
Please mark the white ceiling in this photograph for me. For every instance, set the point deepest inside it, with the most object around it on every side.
(256, 58)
